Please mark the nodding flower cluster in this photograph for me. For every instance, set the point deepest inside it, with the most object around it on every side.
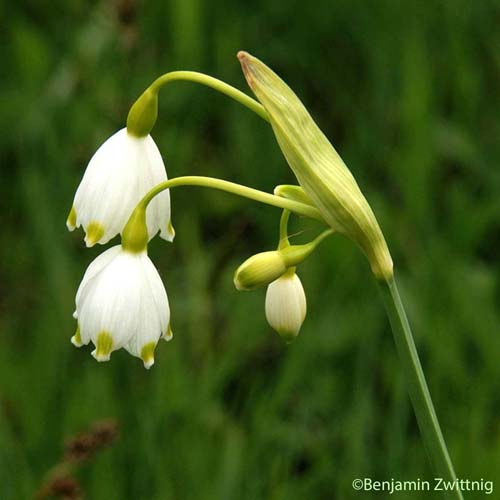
(122, 302)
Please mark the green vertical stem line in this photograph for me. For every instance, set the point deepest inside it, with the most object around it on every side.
(283, 243)
(417, 387)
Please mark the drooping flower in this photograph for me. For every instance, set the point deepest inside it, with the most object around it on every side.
(286, 305)
(122, 302)
(119, 174)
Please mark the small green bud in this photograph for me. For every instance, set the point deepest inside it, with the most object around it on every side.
(318, 167)
(143, 113)
(135, 232)
(266, 267)
(259, 270)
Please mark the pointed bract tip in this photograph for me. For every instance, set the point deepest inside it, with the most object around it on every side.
(93, 233)
(245, 60)
(242, 55)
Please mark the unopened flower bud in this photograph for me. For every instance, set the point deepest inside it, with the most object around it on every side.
(265, 267)
(259, 270)
(286, 305)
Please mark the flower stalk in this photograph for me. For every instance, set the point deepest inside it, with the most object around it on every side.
(299, 208)
(417, 386)
(143, 113)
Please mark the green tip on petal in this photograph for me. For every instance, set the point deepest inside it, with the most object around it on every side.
(94, 233)
(288, 336)
(168, 335)
(148, 354)
(71, 220)
(76, 339)
(170, 231)
(103, 346)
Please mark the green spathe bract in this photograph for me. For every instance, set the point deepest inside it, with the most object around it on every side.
(317, 166)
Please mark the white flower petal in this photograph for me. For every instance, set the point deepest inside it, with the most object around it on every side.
(154, 315)
(95, 267)
(158, 216)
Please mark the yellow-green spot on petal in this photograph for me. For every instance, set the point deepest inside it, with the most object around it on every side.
(94, 231)
(103, 346)
(148, 354)
(71, 220)
(76, 339)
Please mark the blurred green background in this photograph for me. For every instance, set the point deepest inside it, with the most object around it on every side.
(409, 94)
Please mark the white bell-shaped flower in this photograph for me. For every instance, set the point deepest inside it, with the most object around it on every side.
(286, 305)
(121, 302)
(119, 174)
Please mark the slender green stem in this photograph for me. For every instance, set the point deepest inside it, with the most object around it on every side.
(231, 187)
(323, 235)
(213, 83)
(417, 386)
(285, 216)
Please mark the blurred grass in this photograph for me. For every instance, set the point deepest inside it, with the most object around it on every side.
(408, 93)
